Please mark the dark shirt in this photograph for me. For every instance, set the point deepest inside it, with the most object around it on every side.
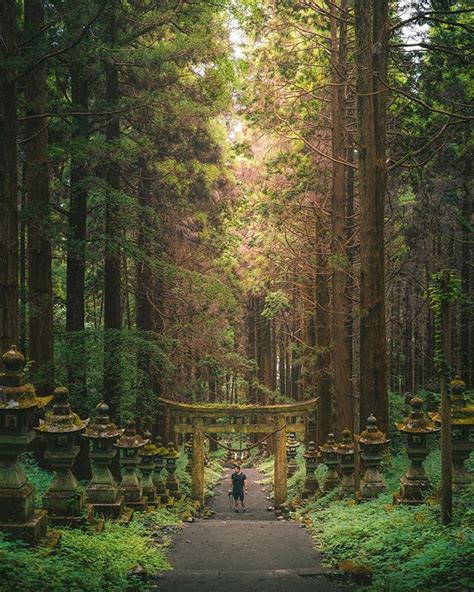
(238, 481)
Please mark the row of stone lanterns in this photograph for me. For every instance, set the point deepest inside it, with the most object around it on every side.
(414, 484)
(340, 458)
(65, 502)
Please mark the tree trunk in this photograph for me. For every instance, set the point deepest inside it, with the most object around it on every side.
(371, 32)
(76, 245)
(113, 231)
(144, 292)
(340, 304)
(323, 344)
(40, 286)
(466, 365)
(9, 313)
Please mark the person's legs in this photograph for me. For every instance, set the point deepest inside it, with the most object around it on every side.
(235, 495)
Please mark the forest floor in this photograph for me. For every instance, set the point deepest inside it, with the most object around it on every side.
(247, 551)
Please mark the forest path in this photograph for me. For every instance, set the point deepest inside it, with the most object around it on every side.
(253, 551)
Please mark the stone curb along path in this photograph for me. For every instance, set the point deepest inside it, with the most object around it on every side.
(250, 551)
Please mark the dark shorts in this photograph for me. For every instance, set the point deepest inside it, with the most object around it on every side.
(238, 494)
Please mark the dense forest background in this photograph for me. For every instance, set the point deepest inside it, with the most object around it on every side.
(236, 200)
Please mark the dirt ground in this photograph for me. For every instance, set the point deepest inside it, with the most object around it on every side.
(250, 551)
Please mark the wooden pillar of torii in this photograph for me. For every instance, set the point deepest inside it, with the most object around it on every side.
(201, 423)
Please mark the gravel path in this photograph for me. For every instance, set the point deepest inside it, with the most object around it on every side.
(254, 551)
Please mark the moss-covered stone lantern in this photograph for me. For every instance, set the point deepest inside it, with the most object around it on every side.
(188, 449)
(172, 484)
(331, 460)
(130, 487)
(371, 442)
(462, 432)
(65, 498)
(345, 450)
(415, 483)
(311, 458)
(147, 467)
(18, 405)
(291, 451)
(102, 491)
(162, 493)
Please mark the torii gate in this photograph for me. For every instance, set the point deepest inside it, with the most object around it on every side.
(199, 419)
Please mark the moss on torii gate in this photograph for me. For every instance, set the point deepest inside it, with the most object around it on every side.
(196, 418)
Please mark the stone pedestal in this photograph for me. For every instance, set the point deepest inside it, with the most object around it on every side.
(147, 466)
(415, 484)
(130, 487)
(345, 451)
(65, 498)
(311, 485)
(162, 494)
(372, 442)
(331, 460)
(102, 491)
(291, 451)
(172, 484)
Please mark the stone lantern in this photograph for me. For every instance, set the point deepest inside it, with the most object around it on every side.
(462, 432)
(371, 442)
(291, 450)
(415, 483)
(18, 405)
(331, 460)
(64, 499)
(311, 457)
(158, 481)
(345, 450)
(147, 466)
(102, 491)
(172, 484)
(188, 448)
(130, 487)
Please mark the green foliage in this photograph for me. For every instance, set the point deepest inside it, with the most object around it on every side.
(275, 302)
(445, 289)
(86, 561)
(406, 547)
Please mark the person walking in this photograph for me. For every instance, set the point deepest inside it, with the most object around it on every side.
(239, 488)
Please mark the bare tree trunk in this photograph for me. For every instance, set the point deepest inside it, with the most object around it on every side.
(323, 344)
(144, 292)
(371, 31)
(466, 364)
(113, 231)
(40, 286)
(76, 244)
(340, 305)
(9, 313)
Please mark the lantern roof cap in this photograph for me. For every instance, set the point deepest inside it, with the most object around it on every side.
(330, 445)
(417, 421)
(372, 435)
(346, 446)
(172, 452)
(13, 360)
(61, 419)
(149, 449)
(130, 438)
(311, 451)
(102, 427)
(162, 451)
(14, 393)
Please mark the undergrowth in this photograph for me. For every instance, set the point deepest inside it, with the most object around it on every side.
(406, 548)
(85, 561)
